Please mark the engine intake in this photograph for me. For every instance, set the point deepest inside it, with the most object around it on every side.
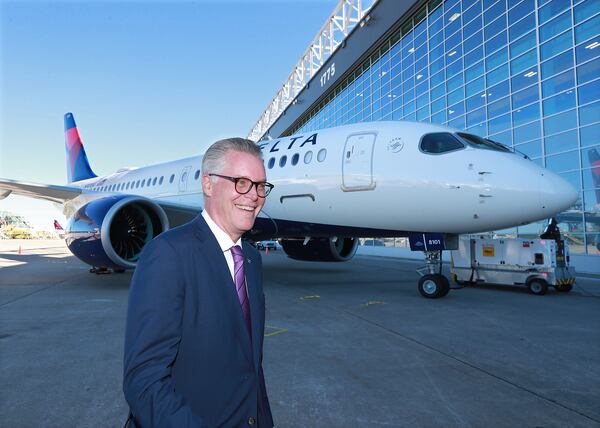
(321, 249)
(111, 232)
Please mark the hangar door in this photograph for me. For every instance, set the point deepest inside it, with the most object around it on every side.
(357, 166)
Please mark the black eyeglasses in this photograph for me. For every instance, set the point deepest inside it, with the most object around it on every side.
(243, 185)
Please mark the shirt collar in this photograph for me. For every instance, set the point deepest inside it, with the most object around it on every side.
(223, 238)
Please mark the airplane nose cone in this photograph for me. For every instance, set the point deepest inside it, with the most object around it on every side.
(556, 194)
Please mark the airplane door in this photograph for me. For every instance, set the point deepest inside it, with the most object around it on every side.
(183, 178)
(357, 166)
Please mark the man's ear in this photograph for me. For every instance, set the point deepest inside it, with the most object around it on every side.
(207, 185)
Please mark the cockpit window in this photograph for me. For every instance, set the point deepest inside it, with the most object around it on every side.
(483, 143)
(440, 142)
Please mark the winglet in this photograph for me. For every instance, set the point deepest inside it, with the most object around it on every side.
(78, 167)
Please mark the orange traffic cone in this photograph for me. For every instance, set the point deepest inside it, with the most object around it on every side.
(266, 250)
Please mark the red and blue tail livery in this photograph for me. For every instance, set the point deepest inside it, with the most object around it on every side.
(78, 167)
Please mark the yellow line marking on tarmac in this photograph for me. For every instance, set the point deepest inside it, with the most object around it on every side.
(310, 297)
(277, 330)
(374, 302)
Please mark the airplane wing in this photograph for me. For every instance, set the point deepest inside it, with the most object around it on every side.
(178, 214)
(47, 192)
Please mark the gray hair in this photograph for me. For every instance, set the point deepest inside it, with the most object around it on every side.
(214, 158)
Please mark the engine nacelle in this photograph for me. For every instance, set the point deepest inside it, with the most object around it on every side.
(111, 232)
(321, 249)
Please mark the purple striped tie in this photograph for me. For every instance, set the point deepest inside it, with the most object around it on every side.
(240, 283)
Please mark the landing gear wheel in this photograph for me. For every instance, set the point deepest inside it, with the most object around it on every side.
(565, 288)
(537, 286)
(433, 286)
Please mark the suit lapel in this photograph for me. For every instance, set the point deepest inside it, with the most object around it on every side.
(252, 278)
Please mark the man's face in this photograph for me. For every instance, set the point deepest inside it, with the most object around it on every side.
(234, 213)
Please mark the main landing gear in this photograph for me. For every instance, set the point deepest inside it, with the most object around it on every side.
(433, 284)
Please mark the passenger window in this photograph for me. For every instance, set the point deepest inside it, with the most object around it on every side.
(271, 163)
(142, 184)
(160, 181)
(295, 159)
(172, 178)
(322, 155)
(440, 142)
(282, 161)
(154, 181)
(308, 156)
(137, 184)
(197, 174)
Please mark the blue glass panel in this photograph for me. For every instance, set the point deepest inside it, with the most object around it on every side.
(497, 91)
(436, 39)
(557, 64)
(456, 110)
(589, 113)
(523, 62)
(525, 79)
(524, 97)
(438, 104)
(488, 3)
(589, 92)
(590, 135)
(561, 142)
(475, 86)
(421, 52)
(498, 107)
(471, 12)
(456, 96)
(439, 117)
(435, 14)
(474, 71)
(586, 9)
(452, 41)
(493, 12)
(473, 41)
(438, 78)
(472, 27)
(558, 83)
(422, 113)
(556, 26)
(526, 114)
(422, 101)
(421, 63)
(476, 116)
(496, 42)
(533, 149)
(454, 68)
(458, 123)
(498, 74)
(503, 137)
(527, 132)
(523, 44)
(556, 45)
(563, 162)
(521, 27)
(409, 107)
(588, 50)
(454, 82)
(452, 27)
(475, 101)
(551, 9)
(496, 59)
(520, 11)
(499, 124)
(560, 122)
(495, 27)
(587, 29)
(588, 71)
(410, 116)
(473, 56)
(438, 91)
(560, 102)
(422, 88)
(436, 65)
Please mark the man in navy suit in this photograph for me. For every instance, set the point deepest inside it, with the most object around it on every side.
(196, 313)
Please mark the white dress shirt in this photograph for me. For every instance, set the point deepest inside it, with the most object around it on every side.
(224, 241)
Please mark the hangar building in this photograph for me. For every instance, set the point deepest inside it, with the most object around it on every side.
(525, 73)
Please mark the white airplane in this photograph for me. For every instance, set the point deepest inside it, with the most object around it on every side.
(385, 179)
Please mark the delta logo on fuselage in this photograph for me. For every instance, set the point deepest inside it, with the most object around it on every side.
(274, 148)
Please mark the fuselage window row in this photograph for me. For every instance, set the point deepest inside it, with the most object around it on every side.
(321, 155)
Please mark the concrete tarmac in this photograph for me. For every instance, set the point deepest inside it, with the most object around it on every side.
(348, 344)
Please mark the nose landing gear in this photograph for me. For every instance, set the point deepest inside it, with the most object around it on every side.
(433, 284)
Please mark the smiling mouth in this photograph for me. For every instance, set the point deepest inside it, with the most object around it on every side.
(245, 207)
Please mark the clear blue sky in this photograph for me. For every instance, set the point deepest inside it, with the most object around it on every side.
(147, 81)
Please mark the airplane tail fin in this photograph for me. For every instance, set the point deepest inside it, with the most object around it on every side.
(78, 167)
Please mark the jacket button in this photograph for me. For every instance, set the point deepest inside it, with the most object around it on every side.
(251, 421)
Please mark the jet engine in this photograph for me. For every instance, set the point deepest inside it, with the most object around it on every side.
(321, 249)
(111, 232)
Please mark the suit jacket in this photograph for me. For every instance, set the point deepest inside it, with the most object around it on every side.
(189, 360)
